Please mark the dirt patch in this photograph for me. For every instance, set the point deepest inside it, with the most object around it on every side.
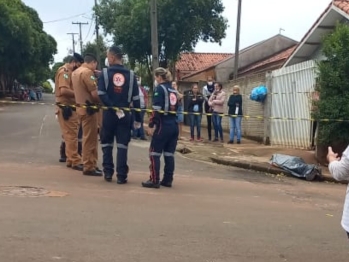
(28, 191)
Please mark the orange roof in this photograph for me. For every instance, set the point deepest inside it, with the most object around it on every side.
(342, 4)
(276, 58)
(197, 61)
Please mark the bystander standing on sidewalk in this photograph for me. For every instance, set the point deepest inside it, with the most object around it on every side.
(339, 169)
(235, 115)
(195, 110)
(216, 101)
(38, 91)
(207, 91)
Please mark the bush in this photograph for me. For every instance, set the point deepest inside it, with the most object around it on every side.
(47, 87)
(333, 86)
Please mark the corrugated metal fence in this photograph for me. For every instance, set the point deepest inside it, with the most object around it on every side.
(291, 89)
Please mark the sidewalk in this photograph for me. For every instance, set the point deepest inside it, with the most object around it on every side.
(248, 155)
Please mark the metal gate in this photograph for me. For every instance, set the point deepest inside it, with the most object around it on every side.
(292, 87)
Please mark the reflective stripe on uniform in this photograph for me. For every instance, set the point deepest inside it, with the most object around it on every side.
(154, 154)
(166, 99)
(130, 88)
(135, 98)
(106, 79)
(121, 146)
(157, 107)
(80, 140)
(168, 154)
(101, 93)
(107, 145)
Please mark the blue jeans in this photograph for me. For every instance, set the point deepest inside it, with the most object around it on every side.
(180, 117)
(217, 125)
(138, 132)
(195, 120)
(235, 125)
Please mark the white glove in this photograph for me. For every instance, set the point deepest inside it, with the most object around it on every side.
(136, 125)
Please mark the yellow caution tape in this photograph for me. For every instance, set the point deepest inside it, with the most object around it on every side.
(173, 112)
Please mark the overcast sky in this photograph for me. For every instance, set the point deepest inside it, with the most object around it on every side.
(261, 19)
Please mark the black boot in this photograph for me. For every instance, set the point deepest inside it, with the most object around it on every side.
(63, 158)
(80, 148)
(151, 184)
(166, 183)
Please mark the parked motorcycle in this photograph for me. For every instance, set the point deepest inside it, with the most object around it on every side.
(20, 95)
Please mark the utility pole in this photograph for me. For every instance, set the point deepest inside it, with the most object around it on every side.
(97, 39)
(73, 39)
(80, 37)
(237, 42)
(154, 33)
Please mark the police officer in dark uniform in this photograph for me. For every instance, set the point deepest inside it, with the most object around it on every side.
(117, 87)
(63, 157)
(163, 129)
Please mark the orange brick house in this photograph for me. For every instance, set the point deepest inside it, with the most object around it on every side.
(190, 63)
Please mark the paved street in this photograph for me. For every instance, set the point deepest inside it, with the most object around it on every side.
(212, 214)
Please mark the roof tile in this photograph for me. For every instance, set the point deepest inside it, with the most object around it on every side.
(193, 62)
(276, 58)
(342, 4)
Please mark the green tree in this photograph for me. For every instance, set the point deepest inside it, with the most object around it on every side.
(54, 70)
(181, 24)
(25, 49)
(92, 47)
(333, 86)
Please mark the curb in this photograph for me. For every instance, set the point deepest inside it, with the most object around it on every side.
(264, 169)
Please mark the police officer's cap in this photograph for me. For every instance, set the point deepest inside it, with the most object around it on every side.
(78, 57)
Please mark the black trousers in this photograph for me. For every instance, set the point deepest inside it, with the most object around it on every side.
(112, 128)
(164, 141)
(209, 120)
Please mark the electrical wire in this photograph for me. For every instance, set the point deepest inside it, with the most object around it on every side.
(89, 30)
(67, 18)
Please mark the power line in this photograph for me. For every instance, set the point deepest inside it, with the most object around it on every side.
(80, 34)
(73, 39)
(63, 19)
(89, 30)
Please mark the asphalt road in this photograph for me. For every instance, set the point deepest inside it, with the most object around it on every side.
(212, 214)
